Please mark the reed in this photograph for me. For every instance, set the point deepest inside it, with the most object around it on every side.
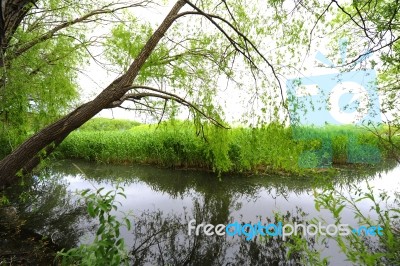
(271, 148)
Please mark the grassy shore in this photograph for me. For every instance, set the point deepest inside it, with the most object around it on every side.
(272, 149)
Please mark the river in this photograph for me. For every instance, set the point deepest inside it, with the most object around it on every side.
(161, 202)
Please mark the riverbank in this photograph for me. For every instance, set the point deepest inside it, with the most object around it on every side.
(177, 144)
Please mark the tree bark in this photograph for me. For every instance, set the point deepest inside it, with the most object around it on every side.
(27, 155)
(12, 13)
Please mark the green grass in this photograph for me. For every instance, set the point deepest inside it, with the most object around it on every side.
(10, 139)
(272, 148)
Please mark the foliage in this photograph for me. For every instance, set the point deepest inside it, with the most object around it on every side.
(341, 144)
(39, 84)
(183, 69)
(272, 148)
(359, 249)
(105, 124)
(108, 247)
(195, 58)
(371, 31)
(299, 245)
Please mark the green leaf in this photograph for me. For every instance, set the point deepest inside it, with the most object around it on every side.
(100, 230)
(128, 224)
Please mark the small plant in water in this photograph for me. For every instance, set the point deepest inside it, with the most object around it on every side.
(108, 247)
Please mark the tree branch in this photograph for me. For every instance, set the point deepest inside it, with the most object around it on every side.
(236, 45)
(156, 93)
(104, 10)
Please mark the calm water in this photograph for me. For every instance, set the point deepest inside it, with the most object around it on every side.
(162, 202)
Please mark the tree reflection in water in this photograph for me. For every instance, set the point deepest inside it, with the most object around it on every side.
(161, 238)
(47, 207)
(164, 240)
(40, 218)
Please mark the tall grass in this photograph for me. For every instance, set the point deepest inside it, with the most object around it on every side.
(339, 145)
(272, 148)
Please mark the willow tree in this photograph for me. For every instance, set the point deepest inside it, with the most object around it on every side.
(230, 24)
(186, 55)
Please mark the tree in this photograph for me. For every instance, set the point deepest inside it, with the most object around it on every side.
(41, 59)
(373, 26)
(285, 25)
(28, 155)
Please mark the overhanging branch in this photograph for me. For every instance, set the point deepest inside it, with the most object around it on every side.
(156, 93)
(242, 50)
(48, 35)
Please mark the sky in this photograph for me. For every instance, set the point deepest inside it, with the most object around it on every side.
(97, 78)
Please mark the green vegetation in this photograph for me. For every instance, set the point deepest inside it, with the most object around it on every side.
(108, 247)
(272, 148)
(105, 124)
(38, 79)
(184, 63)
(359, 250)
(44, 50)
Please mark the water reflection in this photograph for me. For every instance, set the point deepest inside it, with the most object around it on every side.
(163, 240)
(163, 201)
(40, 217)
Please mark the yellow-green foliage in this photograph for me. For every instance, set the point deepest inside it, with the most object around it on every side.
(106, 124)
(271, 148)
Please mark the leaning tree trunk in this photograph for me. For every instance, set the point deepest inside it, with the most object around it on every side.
(28, 155)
